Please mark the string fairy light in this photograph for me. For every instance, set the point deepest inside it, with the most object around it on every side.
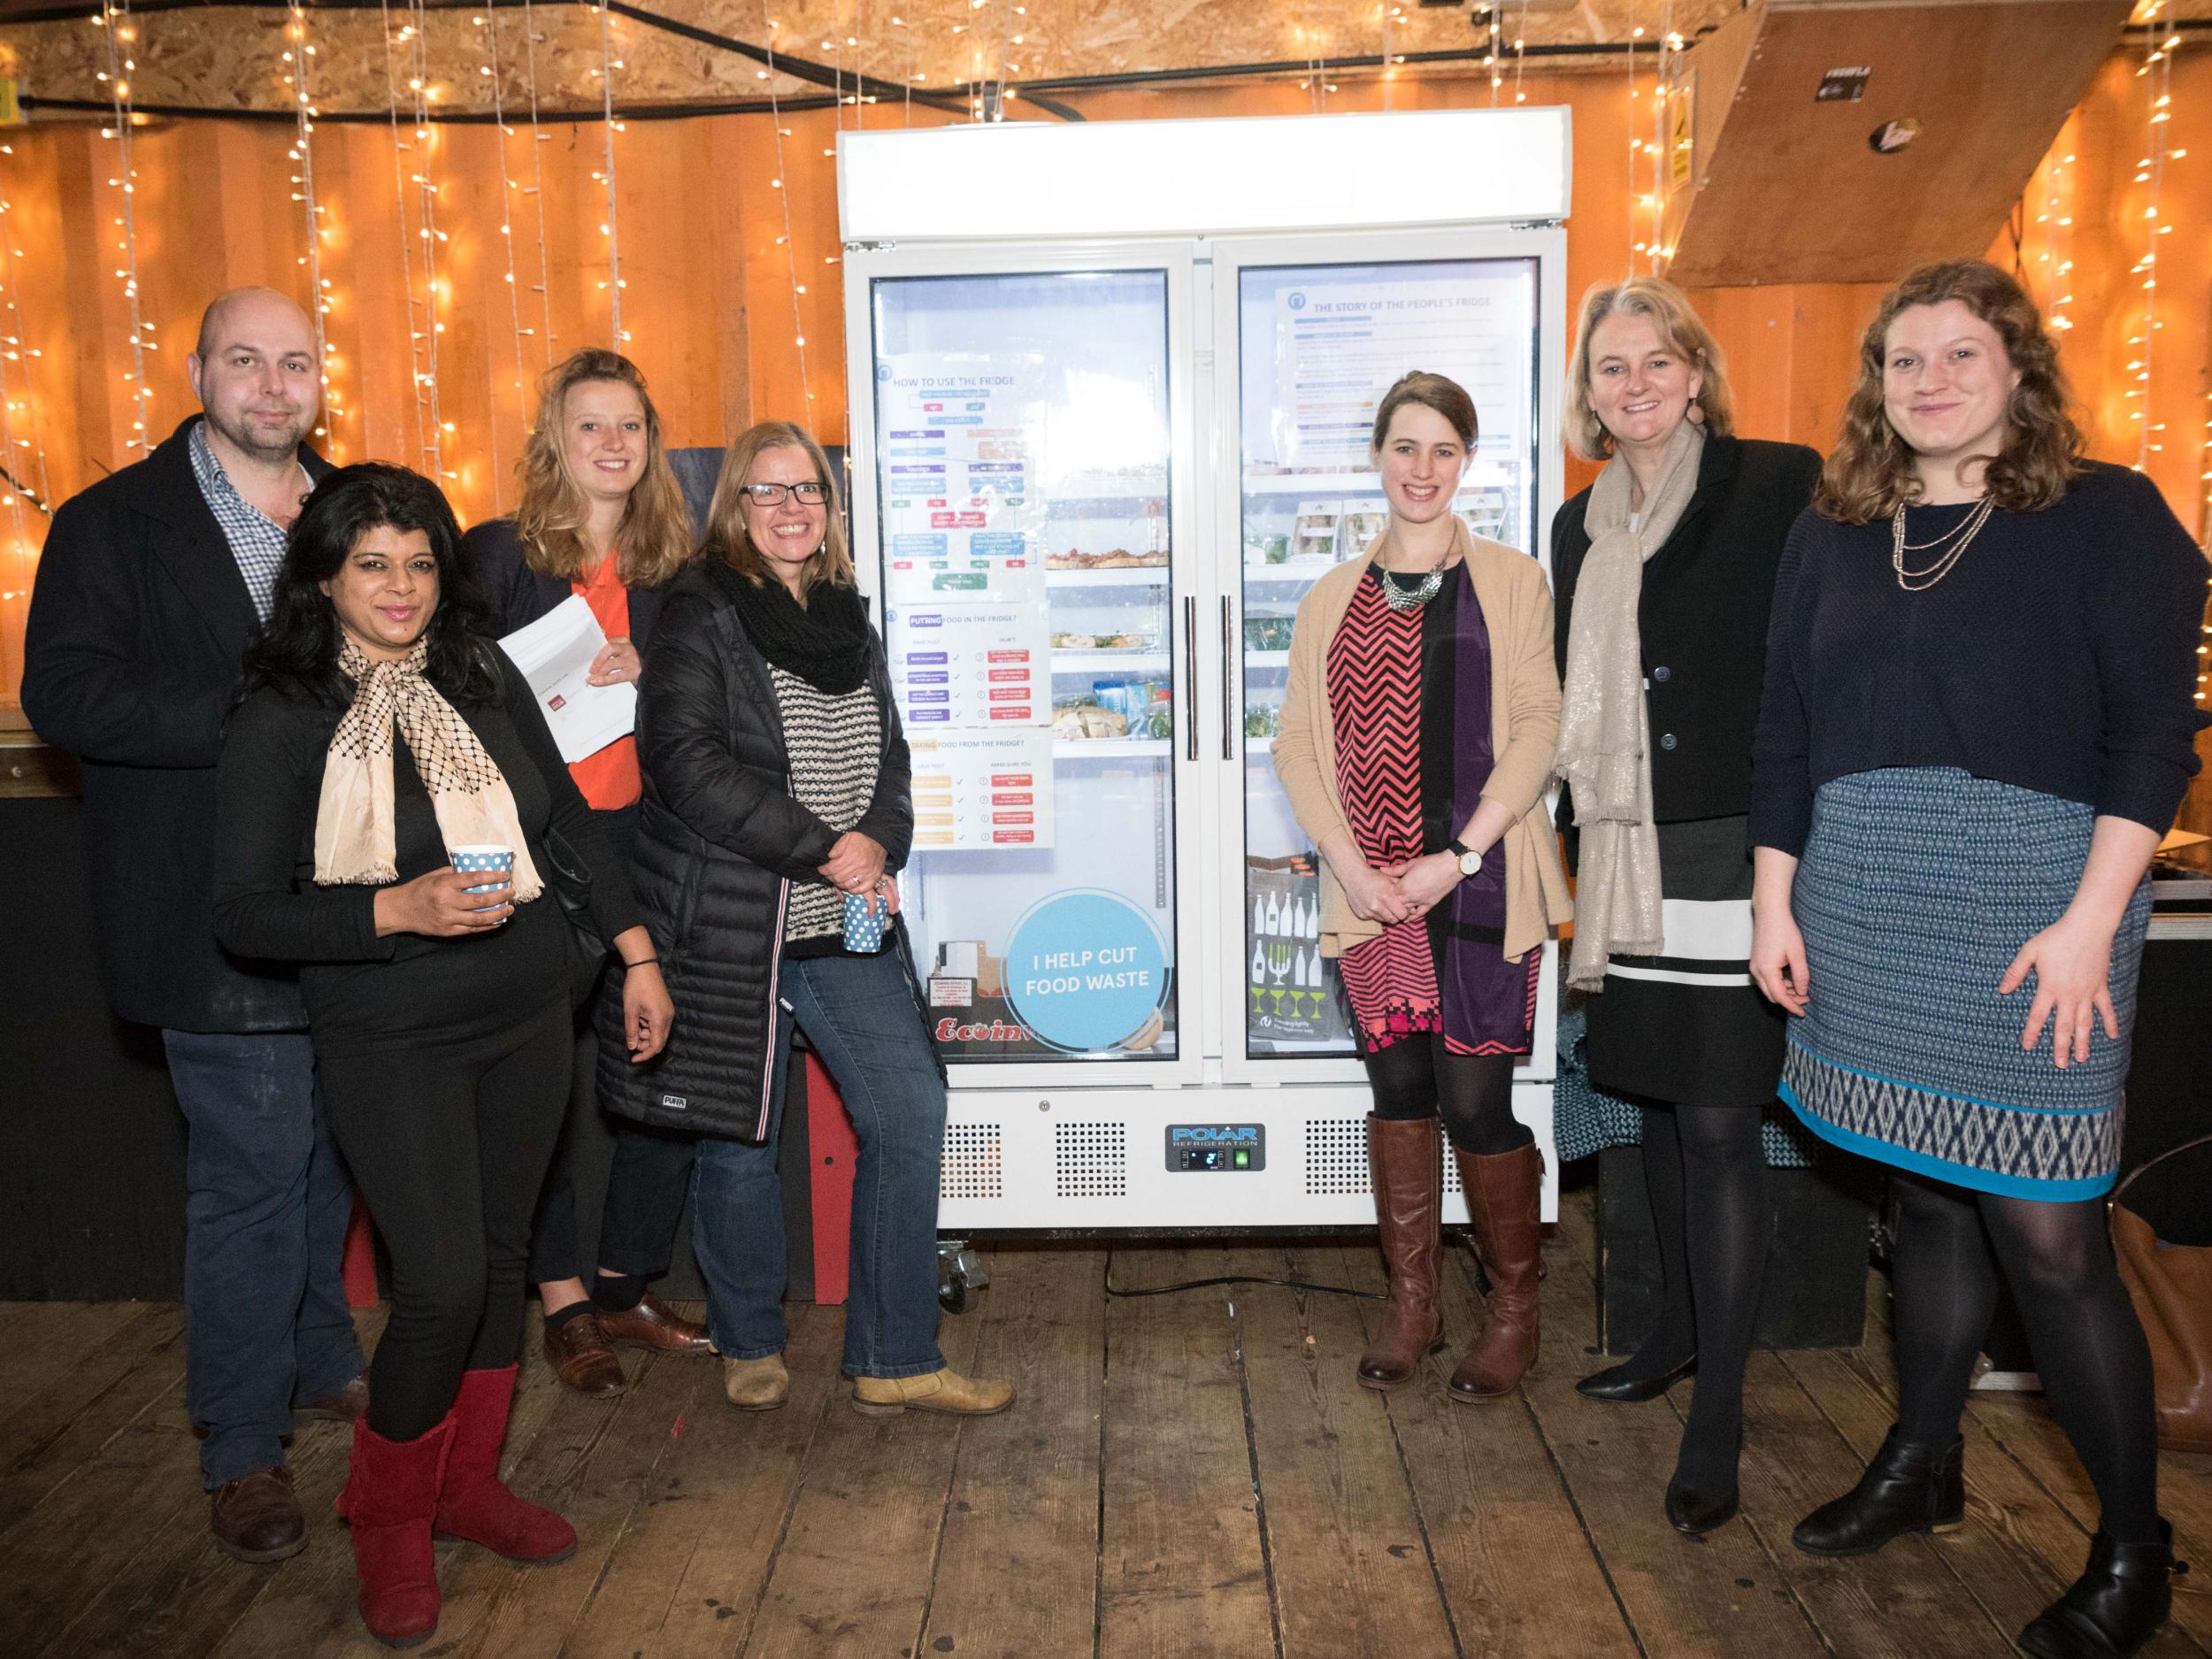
(120, 37)
(1635, 148)
(608, 64)
(535, 189)
(16, 399)
(426, 411)
(1520, 53)
(2150, 170)
(15, 348)
(1665, 92)
(300, 56)
(490, 70)
(2057, 220)
(790, 254)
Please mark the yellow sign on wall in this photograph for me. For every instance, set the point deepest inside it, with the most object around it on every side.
(1681, 113)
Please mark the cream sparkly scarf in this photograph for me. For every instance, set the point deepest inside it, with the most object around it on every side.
(1604, 732)
(354, 837)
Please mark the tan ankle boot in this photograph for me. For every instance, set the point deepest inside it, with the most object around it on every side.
(1502, 1193)
(756, 1385)
(944, 1389)
(1405, 1166)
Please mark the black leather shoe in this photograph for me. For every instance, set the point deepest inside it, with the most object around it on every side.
(1695, 1513)
(1908, 1488)
(2115, 1607)
(257, 1517)
(1614, 1389)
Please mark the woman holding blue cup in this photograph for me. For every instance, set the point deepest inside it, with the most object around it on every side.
(776, 807)
(436, 979)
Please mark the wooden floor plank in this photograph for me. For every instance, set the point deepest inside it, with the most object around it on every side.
(1182, 1570)
(1909, 1605)
(1519, 1571)
(1017, 1572)
(1716, 1596)
(2041, 1499)
(307, 1611)
(689, 1572)
(47, 1341)
(1352, 1572)
(182, 1593)
(851, 1576)
(68, 1421)
(90, 1527)
(613, 1475)
(1988, 1558)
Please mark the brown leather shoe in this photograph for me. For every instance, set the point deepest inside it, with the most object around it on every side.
(1502, 1192)
(652, 1325)
(580, 1356)
(1406, 1168)
(257, 1517)
(341, 1405)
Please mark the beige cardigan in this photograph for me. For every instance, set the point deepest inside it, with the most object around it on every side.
(1516, 607)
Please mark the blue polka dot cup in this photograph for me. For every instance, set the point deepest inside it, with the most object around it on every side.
(498, 861)
(864, 923)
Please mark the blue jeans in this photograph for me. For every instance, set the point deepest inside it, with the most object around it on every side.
(858, 1013)
(267, 1200)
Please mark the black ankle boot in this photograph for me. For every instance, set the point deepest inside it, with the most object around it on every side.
(1909, 1487)
(2114, 1608)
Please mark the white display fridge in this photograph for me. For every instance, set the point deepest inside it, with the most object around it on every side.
(1110, 393)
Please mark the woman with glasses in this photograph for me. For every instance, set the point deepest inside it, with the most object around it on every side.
(776, 811)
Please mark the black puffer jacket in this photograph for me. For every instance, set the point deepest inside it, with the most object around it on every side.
(720, 840)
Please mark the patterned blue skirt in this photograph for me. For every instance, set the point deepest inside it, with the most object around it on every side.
(1918, 888)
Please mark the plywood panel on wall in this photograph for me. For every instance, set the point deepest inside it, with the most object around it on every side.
(711, 307)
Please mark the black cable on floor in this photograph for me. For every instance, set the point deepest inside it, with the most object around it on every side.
(1235, 1278)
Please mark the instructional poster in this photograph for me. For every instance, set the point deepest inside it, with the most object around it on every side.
(1338, 347)
(956, 666)
(975, 790)
(961, 515)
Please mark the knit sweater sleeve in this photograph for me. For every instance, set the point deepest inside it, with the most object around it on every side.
(1781, 750)
(2150, 599)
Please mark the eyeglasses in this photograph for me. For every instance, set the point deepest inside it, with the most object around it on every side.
(772, 494)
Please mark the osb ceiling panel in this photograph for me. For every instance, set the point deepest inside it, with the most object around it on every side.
(233, 57)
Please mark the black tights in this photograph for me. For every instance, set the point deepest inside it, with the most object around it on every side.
(1705, 1173)
(2088, 1345)
(1418, 1077)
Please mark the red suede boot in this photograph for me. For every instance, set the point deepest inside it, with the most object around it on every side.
(474, 1503)
(389, 1497)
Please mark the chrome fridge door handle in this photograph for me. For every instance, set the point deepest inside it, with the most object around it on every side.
(1228, 682)
(1190, 679)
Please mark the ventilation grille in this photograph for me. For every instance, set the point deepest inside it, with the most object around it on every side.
(1090, 1160)
(972, 1166)
(1336, 1159)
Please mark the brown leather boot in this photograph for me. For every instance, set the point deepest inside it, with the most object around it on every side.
(1405, 1166)
(1501, 1197)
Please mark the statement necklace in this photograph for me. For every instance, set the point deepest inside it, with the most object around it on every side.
(1948, 548)
(1415, 594)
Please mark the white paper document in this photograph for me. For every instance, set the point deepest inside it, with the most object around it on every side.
(555, 653)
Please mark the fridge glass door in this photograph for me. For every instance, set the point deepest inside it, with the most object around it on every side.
(1319, 344)
(1022, 428)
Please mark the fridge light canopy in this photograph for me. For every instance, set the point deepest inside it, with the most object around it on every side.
(1024, 179)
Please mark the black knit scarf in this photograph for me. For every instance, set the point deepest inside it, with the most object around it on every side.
(823, 642)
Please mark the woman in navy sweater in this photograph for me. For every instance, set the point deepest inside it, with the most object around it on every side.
(1978, 720)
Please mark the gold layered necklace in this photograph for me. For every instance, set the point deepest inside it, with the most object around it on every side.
(1948, 548)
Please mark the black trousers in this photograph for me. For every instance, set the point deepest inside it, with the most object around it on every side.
(449, 1143)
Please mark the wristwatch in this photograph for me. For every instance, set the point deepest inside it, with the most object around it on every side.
(1470, 861)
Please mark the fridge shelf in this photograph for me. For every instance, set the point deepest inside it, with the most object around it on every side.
(1110, 661)
(1297, 571)
(1107, 747)
(1119, 576)
(1267, 659)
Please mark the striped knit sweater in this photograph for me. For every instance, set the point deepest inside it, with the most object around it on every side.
(835, 743)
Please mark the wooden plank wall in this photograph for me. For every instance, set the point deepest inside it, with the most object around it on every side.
(710, 305)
